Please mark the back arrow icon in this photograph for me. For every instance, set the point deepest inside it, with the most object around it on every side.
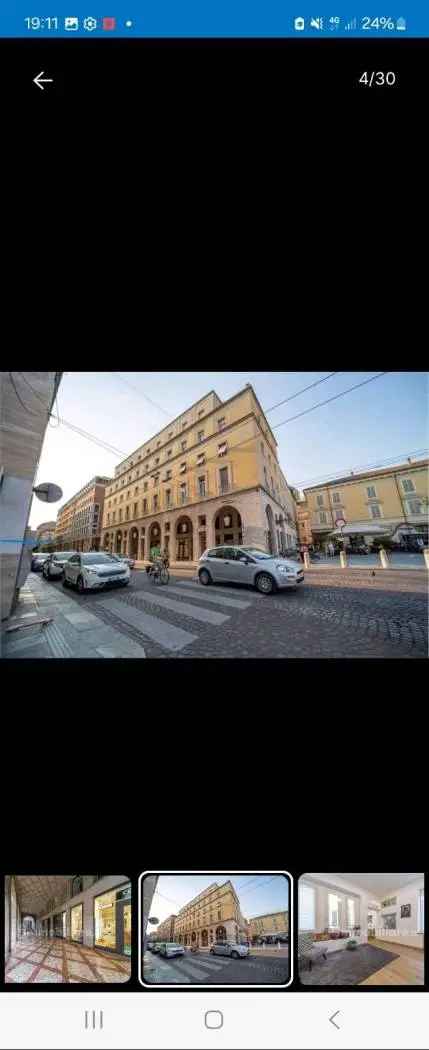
(332, 1020)
(40, 82)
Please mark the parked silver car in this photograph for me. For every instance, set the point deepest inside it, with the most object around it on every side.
(125, 558)
(235, 951)
(38, 561)
(250, 566)
(171, 949)
(53, 567)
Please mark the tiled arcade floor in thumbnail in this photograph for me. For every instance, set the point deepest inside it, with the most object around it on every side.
(44, 960)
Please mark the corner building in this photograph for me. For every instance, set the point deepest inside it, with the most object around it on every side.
(210, 477)
(78, 525)
(214, 915)
(270, 928)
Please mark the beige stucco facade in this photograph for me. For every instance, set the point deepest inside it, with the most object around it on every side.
(210, 477)
(272, 925)
(393, 501)
(213, 915)
(78, 525)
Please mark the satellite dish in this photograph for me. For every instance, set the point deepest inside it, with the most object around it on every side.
(153, 921)
(48, 492)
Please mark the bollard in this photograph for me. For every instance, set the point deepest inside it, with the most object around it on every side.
(343, 559)
(384, 559)
(426, 556)
(306, 560)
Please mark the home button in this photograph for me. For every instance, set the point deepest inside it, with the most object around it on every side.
(213, 1019)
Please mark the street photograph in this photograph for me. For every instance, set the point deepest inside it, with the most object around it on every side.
(214, 515)
(220, 929)
(67, 929)
(361, 929)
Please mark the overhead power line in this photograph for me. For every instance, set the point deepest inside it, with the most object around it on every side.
(303, 391)
(341, 471)
(91, 437)
(240, 444)
(145, 396)
(329, 399)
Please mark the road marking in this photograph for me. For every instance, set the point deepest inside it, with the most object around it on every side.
(194, 611)
(218, 599)
(193, 969)
(165, 634)
(248, 594)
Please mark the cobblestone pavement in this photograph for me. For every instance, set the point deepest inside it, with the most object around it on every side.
(333, 616)
(204, 968)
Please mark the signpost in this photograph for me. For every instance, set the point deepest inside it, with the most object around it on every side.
(341, 522)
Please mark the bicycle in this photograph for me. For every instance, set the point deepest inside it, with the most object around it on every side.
(159, 574)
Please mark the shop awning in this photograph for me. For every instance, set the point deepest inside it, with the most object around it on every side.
(361, 530)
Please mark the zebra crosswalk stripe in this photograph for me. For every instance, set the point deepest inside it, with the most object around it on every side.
(249, 595)
(217, 599)
(165, 634)
(196, 612)
(193, 969)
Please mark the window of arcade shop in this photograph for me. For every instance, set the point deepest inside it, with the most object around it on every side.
(76, 923)
(112, 921)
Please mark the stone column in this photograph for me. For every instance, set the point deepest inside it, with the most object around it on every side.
(384, 559)
(210, 531)
(343, 559)
(426, 556)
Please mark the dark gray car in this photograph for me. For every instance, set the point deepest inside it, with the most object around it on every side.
(250, 566)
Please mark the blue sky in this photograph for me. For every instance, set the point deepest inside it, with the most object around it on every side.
(258, 894)
(384, 419)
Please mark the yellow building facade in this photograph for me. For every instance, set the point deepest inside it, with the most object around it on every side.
(210, 477)
(268, 927)
(390, 502)
(214, 915)
(165, 931)
(79, 521)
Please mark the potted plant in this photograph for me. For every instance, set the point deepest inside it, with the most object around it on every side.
(351, 945)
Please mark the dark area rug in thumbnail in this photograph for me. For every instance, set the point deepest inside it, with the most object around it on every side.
(360, 929)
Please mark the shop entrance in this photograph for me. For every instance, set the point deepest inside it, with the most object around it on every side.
(112, 921)
(60, 924)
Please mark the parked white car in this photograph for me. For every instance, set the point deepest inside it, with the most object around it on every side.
(124, 558)
(251, 566)
(171, 949)
(235, 951)
(53, 567)
(90, 572)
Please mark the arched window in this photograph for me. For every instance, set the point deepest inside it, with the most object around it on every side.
(220, 933)
(204, 938)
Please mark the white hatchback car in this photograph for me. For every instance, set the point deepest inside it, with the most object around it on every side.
(235, 951)
(90, 572)
(171, 949)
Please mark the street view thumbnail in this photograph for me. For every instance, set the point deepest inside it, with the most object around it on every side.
(67, 929)
(201, 929)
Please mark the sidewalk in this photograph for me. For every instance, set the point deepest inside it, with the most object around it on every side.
(74, 632)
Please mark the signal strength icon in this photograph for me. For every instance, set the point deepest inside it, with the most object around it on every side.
(350, 26)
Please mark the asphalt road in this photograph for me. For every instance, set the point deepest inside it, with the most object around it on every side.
(331, 615)
(204, 968)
